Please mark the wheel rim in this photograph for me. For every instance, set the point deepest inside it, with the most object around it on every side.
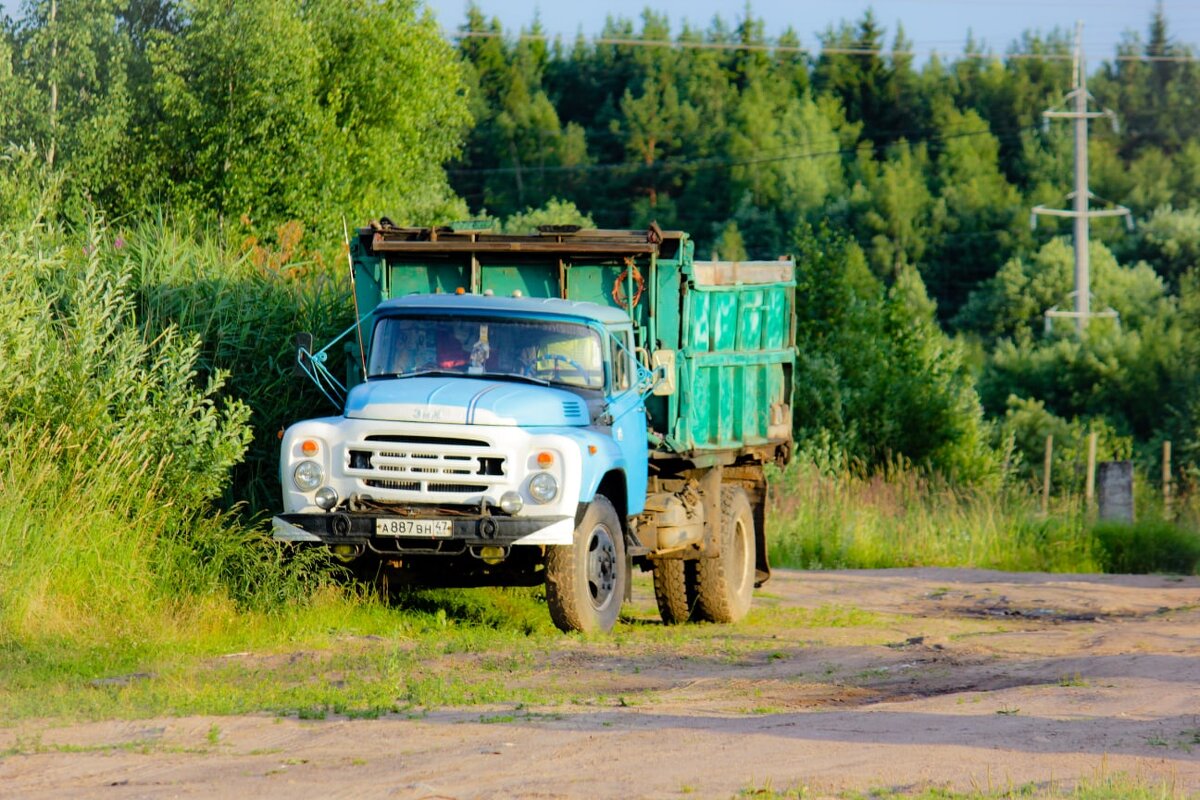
(601, 567)
(741, 558)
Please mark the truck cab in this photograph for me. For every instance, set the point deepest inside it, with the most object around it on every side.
(508, 439)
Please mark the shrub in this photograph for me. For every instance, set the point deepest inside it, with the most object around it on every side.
(244, 303)
(875, 373)
(1147, 546)
(113, 447)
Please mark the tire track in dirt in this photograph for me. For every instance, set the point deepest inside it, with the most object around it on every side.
(961, 678)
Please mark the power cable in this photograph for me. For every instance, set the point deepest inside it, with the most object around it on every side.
(702, 163)
(686, 44)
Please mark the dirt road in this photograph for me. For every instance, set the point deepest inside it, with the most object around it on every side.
(841, 681)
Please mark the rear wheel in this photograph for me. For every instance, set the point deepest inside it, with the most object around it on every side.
(726, 583)
(585, 580)
(675, 589)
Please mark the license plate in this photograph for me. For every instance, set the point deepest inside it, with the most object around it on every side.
(420, 528)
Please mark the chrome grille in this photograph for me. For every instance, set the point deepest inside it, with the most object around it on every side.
(424, 464)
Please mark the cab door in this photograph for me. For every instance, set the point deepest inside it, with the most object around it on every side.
(628, 412)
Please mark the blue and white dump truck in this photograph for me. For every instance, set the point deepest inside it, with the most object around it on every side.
(555, 408)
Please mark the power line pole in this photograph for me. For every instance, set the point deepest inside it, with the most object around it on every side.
(1083, 282)
(1078, 100)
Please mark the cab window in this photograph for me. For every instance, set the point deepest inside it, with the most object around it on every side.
(622, 364)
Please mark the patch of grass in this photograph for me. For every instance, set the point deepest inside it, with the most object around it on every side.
(1147, 546)
(903, 519)
(35, 746)
(767, 792)
(1118, 786)
(339, 654)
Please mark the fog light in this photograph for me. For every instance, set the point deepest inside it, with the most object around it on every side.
(491, 555)
(308, 475)
(543, 487)
(327, 497)
(511, 502)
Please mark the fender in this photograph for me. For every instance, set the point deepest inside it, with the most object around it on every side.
(608, 457)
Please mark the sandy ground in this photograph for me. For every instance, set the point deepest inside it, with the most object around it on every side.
(973, 680)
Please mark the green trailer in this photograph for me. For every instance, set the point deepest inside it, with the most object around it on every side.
(731, 325)
(612, 405)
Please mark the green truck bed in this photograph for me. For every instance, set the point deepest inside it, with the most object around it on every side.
(732, 325)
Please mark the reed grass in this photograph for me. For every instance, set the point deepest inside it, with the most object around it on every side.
(113, 447)
(904, 518)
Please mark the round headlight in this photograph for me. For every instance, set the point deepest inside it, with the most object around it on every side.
(511, 502)
(308, 475)
(543, 487)
(327, 497)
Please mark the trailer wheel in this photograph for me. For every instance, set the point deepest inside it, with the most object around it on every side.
(726, 583)
(585, 581)
(675, 589)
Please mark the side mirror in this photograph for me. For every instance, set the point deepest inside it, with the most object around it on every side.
(304, 354)
(663, 362)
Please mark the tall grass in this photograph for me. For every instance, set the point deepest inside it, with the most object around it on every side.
(901, 518)
(113, 447)
(244, 302)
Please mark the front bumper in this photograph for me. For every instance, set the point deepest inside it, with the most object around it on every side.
(467, 531)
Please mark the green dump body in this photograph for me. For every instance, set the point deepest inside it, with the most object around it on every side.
(731, 325)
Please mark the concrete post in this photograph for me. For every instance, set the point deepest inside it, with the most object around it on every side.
(1116, 490)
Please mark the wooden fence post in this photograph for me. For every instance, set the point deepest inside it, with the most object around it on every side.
(1089, 492)
(1046, 474)
(1166, 479)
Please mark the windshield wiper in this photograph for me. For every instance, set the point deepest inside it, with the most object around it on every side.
(423, 373)
(419, 373)
(510, 376)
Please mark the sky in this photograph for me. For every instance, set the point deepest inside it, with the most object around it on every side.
(931, 25)
(940, 25)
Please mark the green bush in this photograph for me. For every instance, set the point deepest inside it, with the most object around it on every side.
(243, 303)
(874, 372)
(1147, 546)
(113, 447)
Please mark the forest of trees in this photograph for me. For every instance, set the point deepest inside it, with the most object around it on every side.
(904, 189)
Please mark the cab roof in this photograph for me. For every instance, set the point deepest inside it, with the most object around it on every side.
(516, 306)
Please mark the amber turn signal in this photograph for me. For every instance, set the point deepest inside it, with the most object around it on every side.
(309, 447)
(545, 460)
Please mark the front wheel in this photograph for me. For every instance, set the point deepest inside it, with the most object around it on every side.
(585, 580)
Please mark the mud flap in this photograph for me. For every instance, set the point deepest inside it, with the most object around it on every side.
(762, 565)
(628, 576)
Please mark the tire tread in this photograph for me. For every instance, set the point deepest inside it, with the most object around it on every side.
(675, 590)
(569, 609)
(714, 600)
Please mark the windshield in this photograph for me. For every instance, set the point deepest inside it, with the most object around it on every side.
(556, 352)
